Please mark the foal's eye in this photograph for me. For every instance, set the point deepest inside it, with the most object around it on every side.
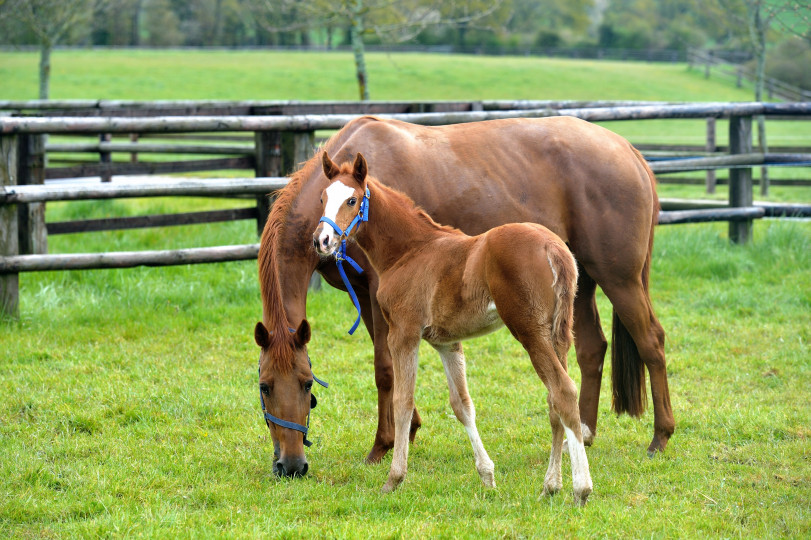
(264, 388)
(351, 201)
(308, 386)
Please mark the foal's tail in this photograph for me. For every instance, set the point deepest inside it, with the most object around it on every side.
(564, 268)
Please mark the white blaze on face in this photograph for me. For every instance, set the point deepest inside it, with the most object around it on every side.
(337, 194)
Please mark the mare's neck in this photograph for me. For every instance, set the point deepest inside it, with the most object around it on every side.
(396, 227)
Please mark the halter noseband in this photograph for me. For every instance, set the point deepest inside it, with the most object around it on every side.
(285, 423)
(341, 256)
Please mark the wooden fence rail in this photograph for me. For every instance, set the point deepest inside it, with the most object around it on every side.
(280, 143)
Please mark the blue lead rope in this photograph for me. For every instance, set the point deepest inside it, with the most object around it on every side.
(341, 256)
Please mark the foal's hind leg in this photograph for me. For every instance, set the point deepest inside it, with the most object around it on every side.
(562, 400)
(553, 482)
(453, 360)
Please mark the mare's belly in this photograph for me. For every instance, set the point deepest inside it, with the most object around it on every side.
(463, 325)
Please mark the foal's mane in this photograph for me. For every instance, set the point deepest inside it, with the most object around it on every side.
(405, 204)
(273, 312)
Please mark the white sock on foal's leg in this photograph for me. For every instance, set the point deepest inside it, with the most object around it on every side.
(581, 478)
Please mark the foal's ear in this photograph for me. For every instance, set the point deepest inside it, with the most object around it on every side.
(360, 169)
(261, 335)
(330, 169)
(302, 336)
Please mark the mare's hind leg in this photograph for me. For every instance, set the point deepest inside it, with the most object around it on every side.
(453, 360)
(590, 346)
(633, 307)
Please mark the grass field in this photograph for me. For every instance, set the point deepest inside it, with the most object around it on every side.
(128, 400)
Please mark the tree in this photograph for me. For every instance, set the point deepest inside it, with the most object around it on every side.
(760, 16)
(391, 20)
(50, 22)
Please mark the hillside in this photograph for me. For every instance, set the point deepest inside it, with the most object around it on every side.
(223, 74)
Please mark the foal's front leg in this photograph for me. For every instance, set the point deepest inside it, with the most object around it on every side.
(404, 348)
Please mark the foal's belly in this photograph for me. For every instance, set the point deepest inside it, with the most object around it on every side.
(464, 325)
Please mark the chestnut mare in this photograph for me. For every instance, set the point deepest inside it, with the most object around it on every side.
(438, 284)
(586, 184)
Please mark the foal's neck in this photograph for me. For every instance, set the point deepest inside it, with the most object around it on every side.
(396, 227)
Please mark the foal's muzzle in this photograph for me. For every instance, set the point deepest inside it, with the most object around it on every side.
(324, 240)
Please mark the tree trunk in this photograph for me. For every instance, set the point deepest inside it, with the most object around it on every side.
(44, 69)
(356, 34)
(135, 37)
(759, 27)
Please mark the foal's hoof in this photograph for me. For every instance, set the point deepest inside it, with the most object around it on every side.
(391, 484)
(581, 498)
(488, 478)
(551, 488)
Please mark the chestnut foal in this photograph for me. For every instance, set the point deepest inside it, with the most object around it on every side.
(440, 285)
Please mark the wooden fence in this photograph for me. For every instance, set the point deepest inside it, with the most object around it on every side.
(775, 88)
(279, 143)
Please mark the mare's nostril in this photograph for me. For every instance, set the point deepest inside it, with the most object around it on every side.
(305, 469)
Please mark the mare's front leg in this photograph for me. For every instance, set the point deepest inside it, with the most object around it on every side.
(453, 360)
(404, 346)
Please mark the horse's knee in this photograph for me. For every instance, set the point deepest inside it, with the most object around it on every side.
(384, 377)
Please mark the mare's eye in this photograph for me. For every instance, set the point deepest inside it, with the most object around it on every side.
(351, 201)
(264, 388)
(308, 386)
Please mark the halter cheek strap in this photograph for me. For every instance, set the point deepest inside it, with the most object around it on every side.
(269, 418)
(341, 256)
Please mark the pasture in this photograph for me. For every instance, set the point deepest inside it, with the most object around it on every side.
(129, 406)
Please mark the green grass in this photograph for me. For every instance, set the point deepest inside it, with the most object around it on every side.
(128, 407)
(128, 399)
(197, 74)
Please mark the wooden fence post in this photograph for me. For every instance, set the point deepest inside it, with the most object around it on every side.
(278, 154)
(711, 147)
(268, 163)
(105, 157)
(32, 232)
(9, 242)
(740, 180)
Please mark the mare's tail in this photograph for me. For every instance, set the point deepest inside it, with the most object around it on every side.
(564, 268)
(627, 368)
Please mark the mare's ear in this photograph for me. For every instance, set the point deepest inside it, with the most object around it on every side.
(302, 336)
(359, 170)
(261, 335)
(330, 169)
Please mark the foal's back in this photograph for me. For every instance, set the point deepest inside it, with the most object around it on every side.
(463, 286)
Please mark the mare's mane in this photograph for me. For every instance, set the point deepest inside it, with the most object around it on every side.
(273, 312)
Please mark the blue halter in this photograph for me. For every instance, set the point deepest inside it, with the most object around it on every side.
(341, 256)
(292, 425)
